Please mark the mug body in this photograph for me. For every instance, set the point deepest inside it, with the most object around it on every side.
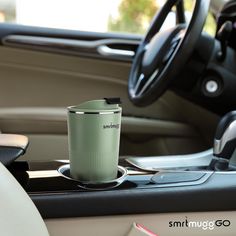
(94, 140)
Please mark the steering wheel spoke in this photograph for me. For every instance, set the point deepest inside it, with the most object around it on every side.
(148, 82)
(143, 83)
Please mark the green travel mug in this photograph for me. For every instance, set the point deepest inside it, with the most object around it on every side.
(94, 140)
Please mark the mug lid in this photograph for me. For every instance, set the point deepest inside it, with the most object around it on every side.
(97, 107)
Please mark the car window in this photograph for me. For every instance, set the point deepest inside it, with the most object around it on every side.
(210, 25)
(125, 16)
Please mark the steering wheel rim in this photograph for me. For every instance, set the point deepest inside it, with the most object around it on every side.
(161, 55)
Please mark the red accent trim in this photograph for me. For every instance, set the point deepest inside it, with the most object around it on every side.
(150, 233)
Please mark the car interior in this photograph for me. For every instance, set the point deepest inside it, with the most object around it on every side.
(178, 128)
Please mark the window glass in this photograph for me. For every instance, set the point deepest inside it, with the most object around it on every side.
(210, 25)
(126, 16)
(7, 10)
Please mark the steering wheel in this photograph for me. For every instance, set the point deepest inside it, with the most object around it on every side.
(162, 55)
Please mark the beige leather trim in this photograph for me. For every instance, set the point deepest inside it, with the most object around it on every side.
(136, 125)
(53, 121)
(47, 79)
(18, 214)
(13, 140)
(158, 223)
(44, 147)
(46, 129)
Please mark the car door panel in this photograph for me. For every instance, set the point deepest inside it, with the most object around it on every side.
(41, 76)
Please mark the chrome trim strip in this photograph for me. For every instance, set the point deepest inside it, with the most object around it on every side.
(141, 77)
(98, 113)
(217, 146)
(107, 51)
(89, 185)
(149, 81)
(95, 48)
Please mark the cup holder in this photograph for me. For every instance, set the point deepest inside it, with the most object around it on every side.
(121, 175)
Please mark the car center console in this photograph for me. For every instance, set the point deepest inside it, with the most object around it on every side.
(204, 181)
(166, 190)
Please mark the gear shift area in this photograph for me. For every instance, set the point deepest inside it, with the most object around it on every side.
(224, 143)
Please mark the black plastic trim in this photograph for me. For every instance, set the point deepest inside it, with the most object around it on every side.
(217, 194)
(14, 29)
(69, 42)
(228, 150)
(10, 154)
